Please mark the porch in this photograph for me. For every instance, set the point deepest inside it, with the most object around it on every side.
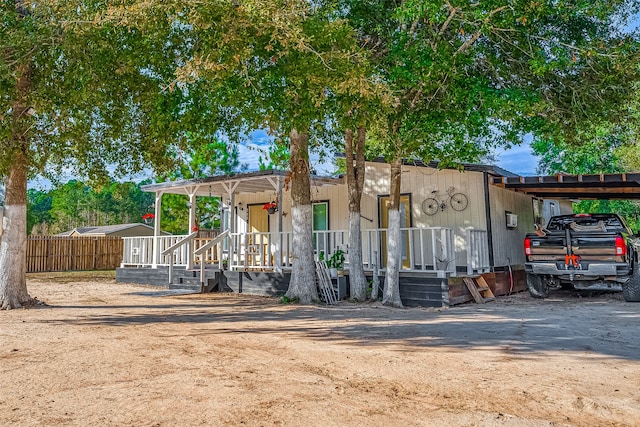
(260, 263)
(427, 250)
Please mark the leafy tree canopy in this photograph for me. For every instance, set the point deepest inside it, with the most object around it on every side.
(98, 95)
(467, 76)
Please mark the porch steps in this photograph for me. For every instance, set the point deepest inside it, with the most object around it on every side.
(190, 280)
(479, 289)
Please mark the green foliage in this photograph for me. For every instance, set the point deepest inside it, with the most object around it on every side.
(99, 91)
(596, 155)
(39, 205)
(336, 260)
(469, 76)
(629, 210)
(276, 156)
(286, 300)
(209, 158)
(76, 204)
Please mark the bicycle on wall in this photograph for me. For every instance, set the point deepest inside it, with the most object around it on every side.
(457, 201)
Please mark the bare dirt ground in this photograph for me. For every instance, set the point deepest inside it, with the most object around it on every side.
(103, 354)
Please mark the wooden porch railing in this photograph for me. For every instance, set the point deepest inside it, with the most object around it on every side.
(478, 252)
(205, 250)
(423, 249)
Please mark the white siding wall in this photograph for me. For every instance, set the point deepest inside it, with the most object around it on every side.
(420, 182)
(507, 242)
(336, 195)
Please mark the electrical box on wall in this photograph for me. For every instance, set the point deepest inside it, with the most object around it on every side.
(512, 220)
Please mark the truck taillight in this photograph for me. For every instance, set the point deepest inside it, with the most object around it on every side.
(621, 246)
(527, 246)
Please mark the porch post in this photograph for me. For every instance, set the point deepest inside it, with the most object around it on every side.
(156, 230)
(192, 224)
(232, 227)
(279, 239)
(192, 212)
(231, 190)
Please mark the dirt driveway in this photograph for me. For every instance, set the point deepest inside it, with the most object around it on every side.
(104, 353)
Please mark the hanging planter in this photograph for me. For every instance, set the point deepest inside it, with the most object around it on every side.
(148, 218)
(270, 207)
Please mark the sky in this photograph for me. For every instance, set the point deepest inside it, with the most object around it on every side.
(519, 159)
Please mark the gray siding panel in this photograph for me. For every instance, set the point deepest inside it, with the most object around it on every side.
(144, 276)
(416, 290)
(507, 243)
(422, 291)
(258, 283)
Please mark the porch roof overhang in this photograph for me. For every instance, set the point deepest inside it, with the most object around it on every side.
(613, 186)
(247, 182)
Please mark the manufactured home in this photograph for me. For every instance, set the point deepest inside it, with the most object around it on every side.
(456, 223)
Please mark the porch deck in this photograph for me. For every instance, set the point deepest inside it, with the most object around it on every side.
(260, 263)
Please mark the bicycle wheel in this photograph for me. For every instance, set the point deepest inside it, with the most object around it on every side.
(458, 201)
(430, 206)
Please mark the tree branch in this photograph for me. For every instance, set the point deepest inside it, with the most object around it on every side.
(478, 33)
(452, 13)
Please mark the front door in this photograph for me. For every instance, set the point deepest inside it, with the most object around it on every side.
(258, 219)
(405, 222)
(257, 243)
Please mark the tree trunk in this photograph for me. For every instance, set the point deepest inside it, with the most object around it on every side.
(13, 242)
(303, 273)
(355, 182)
(391, 294)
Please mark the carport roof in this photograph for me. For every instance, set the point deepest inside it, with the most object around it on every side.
(623, 186)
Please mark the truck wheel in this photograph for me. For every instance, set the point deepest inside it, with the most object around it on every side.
(631, 289)
(537, 287)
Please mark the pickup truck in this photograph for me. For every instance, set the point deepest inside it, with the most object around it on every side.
(583, 251)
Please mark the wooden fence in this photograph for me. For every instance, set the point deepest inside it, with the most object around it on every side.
(63, 253)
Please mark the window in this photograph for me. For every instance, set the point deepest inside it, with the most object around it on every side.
(320, 224)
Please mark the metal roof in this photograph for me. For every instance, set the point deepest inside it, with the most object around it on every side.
(620, 186)
(247, 182)
(102, 229)
(469, 167)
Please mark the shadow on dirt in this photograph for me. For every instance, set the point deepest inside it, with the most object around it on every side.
(519, 325)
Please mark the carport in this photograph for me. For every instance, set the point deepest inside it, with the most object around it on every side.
(618, 186)
(601, 268)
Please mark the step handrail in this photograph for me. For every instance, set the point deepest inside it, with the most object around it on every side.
(220, 237)
(179, 243)
(201, 250)
(175, 246)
